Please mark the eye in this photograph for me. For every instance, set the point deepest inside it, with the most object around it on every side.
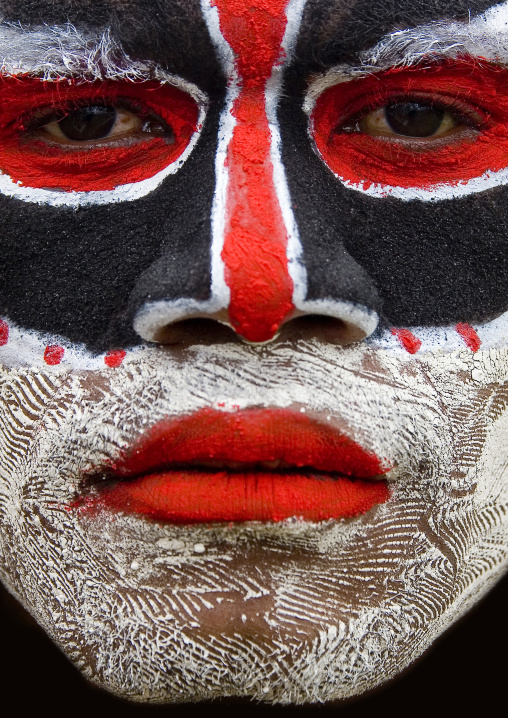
(414, 127)
(408, 120)
(81, 137)
(90, 123)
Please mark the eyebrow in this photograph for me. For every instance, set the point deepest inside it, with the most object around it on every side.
(63, 51)
(485, 36)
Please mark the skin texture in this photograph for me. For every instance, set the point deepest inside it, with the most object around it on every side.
(282, 612)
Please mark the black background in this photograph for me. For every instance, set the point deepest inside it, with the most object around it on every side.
(464, 674)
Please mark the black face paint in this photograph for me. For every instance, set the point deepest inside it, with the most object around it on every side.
(431, 263)
(173, 34)
(72, 272)
(84, 273)
(334, 32)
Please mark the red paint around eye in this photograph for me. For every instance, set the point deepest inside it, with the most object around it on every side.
(114, 358)
(255, 239)
(53, 354)
(469, 335)
(4, 333)
(408, 340)
(34, 162)
(366, 160)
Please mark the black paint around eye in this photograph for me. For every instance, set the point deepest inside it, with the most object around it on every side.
(93, 122)
(412, 119)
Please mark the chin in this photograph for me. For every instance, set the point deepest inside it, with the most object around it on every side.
(295, 607)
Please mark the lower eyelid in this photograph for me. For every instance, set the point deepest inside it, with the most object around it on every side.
(163, 128)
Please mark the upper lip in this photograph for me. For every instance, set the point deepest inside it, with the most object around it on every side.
(273, 439)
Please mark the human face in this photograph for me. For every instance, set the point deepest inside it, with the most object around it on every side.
(253, 411)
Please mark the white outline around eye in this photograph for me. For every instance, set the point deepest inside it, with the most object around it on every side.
(485, 36)
(60, 53)
(122, 193)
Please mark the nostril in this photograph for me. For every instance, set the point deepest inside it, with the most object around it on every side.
(199, 330)
(194, 331)
(210, 331)
(327, 329)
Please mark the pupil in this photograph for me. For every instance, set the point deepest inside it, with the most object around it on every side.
(412, 119)
(88, 123)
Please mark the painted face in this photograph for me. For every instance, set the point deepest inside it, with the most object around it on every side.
(254, 285)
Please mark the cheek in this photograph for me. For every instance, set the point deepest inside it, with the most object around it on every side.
(277, 586)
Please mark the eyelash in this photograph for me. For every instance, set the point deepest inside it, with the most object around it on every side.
(468, 114)
(30, 123)
(473, 92)
(34, 159)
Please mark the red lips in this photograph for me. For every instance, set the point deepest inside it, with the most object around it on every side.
(252, 465)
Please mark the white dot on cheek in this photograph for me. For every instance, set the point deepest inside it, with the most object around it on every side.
(199, 548)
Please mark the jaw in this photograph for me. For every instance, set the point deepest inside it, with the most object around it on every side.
(288, 611)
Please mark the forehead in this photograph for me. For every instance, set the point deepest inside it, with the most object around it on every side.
(174, 31)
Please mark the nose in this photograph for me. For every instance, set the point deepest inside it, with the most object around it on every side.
(258, 276)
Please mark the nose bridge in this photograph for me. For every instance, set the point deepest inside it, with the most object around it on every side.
(259, 272)
(255, 237)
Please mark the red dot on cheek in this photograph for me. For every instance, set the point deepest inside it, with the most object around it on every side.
(4, 333)
(470, 337)
(53, 354)
(114, 358)
(408, 340)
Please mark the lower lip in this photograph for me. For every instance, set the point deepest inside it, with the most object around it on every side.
(197, 496)
(329, 475)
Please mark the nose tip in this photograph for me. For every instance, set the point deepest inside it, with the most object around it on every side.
(156, 323)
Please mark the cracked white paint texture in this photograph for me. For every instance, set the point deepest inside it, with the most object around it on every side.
(288, 612)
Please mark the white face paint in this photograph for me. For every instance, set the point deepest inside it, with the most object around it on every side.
(58, 53)
(284, 612)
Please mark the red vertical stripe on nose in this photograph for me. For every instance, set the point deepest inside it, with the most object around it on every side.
(255, 239)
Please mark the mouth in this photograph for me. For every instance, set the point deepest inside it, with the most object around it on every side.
(250, 465)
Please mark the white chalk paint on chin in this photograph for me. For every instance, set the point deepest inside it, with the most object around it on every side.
(484, 37)
(21, 347)
(101, 585)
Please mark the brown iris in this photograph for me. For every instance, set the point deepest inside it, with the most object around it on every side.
(413, 119)
(88, 123)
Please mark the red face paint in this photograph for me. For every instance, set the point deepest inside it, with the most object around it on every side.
(255, 236)
(53, 354)
(114, 358)
(407, 340)
(469, 335)
(460, 86)
(4, 333)
(320, 473)
(103, 165)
